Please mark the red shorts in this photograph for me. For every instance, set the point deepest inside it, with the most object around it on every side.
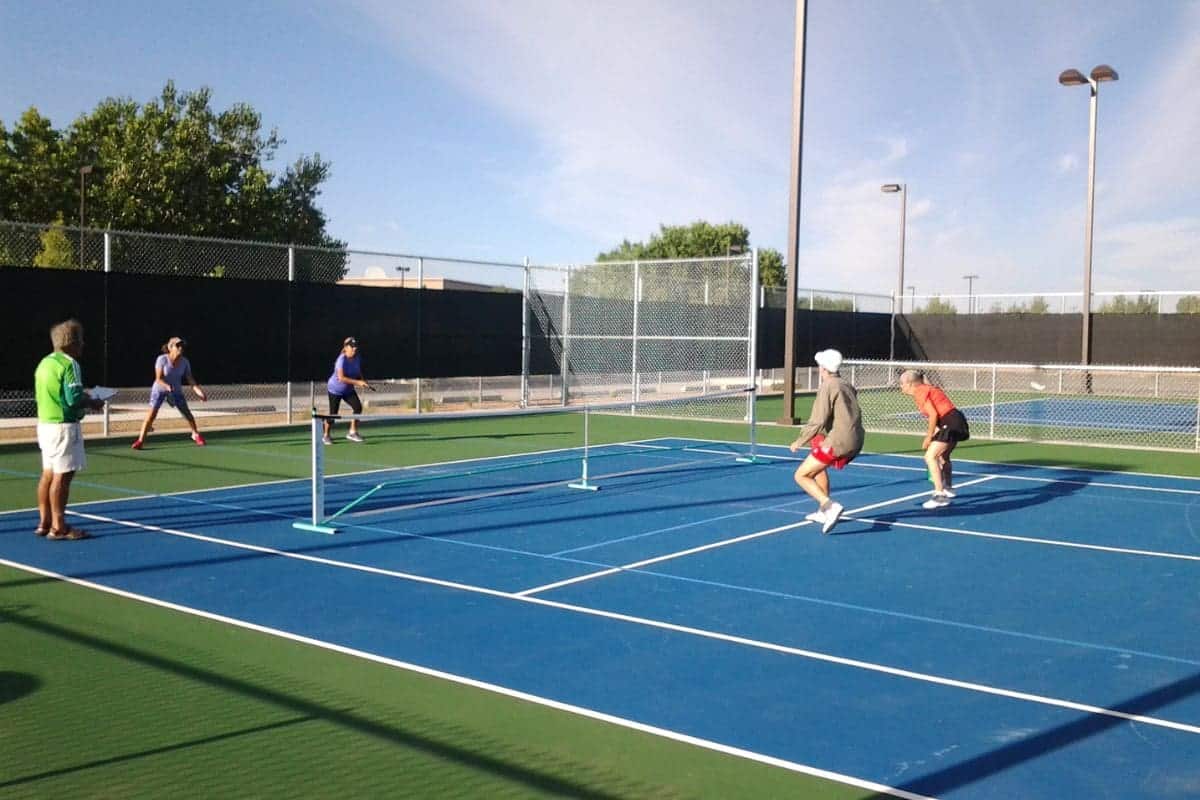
(823, 453)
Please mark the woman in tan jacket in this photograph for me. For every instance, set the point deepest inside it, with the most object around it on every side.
(836, 433)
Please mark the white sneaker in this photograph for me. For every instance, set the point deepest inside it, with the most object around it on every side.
(353, 437)
(326, 440)
(832, 515)
(816, 517)
(949, 493)
(937, 501)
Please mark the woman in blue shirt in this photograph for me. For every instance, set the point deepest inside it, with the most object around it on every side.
(171, 370)
(347, 374)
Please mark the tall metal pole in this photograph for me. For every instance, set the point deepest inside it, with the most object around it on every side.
(1086, 350)
(788, 417)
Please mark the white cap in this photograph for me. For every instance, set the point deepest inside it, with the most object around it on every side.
(831, 360)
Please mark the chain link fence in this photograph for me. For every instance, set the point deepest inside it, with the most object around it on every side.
(1136, 407)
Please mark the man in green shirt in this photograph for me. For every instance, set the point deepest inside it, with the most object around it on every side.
(61, 404)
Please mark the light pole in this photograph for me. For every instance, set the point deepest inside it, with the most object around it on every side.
(403, 275)
(1073, 77)
(84, 171)
(970, 279)
(902, 188)
(792, 257)
(912, 299)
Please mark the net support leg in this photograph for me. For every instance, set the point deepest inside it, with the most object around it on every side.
(752, 419)
(317, 523)
(582, 483)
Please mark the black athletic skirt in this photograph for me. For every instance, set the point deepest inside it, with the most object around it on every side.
(952, 428)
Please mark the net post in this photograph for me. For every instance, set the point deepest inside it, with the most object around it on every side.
(752, 456)
(318, 483)
(992, 412)
(582, 483)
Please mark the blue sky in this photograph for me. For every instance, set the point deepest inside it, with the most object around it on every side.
(555, 128)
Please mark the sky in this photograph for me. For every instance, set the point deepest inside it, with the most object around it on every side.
(554, 129)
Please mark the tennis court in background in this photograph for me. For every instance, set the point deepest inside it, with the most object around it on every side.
(1034, 639)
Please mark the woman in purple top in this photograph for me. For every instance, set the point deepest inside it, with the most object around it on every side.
(171, 369)
(347, 374)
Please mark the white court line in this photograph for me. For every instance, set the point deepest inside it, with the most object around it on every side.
(1032, 540)
(758, 644)
(588, 713)
(713, 545)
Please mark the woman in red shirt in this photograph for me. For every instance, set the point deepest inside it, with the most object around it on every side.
(947, 427)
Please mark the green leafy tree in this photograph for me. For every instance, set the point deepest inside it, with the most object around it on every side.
(822, 303)
(770, 268)
(937, 305)
(57, 251)
(1142, 304)
(1188, 304)
(172, 165)
(1037, 305)
(699, 240)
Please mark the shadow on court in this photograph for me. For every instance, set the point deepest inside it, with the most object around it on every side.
(439, 741)
(972, 501)
(1036, 746)
(15, 685)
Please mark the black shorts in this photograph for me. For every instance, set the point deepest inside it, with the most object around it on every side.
(351, 398)
(952, 428)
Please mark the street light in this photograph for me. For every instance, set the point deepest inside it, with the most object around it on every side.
(902, 189)
(970, 279)
(1073, 77)
(84, 171)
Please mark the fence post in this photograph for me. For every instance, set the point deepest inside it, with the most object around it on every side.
(992, 414)
(752, 342)
(525, 336)
(420, 324)
(107, 269)
(1198, 418)
(565, 351)
(291, 253)
(637, 300)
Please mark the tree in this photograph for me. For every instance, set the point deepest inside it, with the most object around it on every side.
(937, 305)
(1142, 304)
(172, 165)
(1188, 304)
(822, 303)
(699, 240)
(57, 251)
(1037, 305)
(770, 268)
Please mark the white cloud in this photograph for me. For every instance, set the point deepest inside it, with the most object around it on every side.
(1067, 162)
(640, 109)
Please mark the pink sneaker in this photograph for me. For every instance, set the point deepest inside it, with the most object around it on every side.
(198, 439)
(137, 444)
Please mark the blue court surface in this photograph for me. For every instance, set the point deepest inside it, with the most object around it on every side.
(1035, 639)
(1080, 412)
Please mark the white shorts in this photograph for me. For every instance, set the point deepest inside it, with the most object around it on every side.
(62, 446)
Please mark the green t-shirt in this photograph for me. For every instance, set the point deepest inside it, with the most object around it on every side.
(58, 386)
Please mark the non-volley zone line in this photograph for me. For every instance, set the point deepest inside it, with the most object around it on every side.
(757, 644)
